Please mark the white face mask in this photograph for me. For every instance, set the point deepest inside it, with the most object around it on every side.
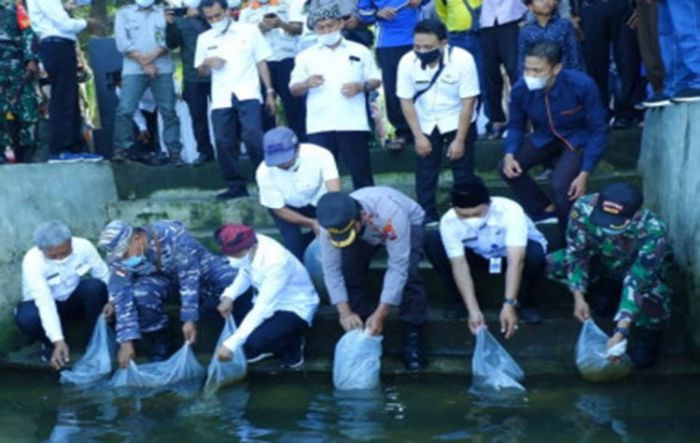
(145, 3)
(535, 83)
(191, 3)
(330, 39)
(240, 262)
(60, 262)
(220, 26)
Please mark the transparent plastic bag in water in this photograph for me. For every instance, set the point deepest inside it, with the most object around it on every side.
(357, 361)
(181, 366)
(96, 364)
(220, 373)
(591, 359)
(493, 369)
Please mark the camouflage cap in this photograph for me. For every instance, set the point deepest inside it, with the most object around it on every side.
(331, 11)
(115, 237)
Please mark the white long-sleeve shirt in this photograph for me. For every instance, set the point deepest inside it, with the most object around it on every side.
(282, 282)
(49, 19)
(46, 282)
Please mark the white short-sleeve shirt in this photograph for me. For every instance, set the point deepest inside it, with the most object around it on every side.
(441, 104)
(283, 44)
(242, 46)
(326, 107)
(301, 186)
(505, 225)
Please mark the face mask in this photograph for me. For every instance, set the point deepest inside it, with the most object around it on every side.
(240, 262)
(145, 4)
(330, 39)
(191, 3)
(133, 262)
(535, 83)
(61, 261)
(220, 26)
(428, 57)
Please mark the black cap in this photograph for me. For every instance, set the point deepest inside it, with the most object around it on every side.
(469, 193)
(337, 213)
(617, 204)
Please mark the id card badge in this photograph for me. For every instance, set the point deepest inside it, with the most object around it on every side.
(495, 265)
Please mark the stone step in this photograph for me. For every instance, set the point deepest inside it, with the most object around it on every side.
(135, 180)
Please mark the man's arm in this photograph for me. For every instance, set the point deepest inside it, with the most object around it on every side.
(122, 38)
(597, 127)
(458, 145)
(53, 11)
(516, 124)
(465, 285)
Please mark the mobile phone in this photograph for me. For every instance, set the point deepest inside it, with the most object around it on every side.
(270, 15)
(177, 12)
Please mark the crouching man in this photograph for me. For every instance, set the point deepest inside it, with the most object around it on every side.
(63, 279)
(274, 320)
(148, 263)
(611, 238)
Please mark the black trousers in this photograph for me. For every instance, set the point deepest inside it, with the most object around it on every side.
(294, 107)
(242, 118)
(388, 59)
(566, 166)
(353, 147)
(356, 261)
(533, 272)
(197, 95)
(499, 46)
(85, 304)
(280, 334)
(293, 238)
(428, 168)
(604, 23)
(65, 125)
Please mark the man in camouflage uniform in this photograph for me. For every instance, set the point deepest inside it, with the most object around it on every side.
(18, 67)
(610, 237)
(145, 263)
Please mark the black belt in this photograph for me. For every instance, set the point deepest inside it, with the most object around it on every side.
(57, 40)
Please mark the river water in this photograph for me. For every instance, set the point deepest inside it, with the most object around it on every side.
(305, 408)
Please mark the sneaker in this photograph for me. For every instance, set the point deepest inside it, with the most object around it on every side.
(89, 157)
(687, 95)
(544, 218)
(260, 357)
(295, 359)
(65, 157)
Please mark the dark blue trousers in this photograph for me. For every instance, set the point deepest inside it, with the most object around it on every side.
(294, 107)
(85, 304)
(292, 237)
(196, 95)
(353, 147)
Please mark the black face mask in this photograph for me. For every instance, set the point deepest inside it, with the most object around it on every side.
(428, 57)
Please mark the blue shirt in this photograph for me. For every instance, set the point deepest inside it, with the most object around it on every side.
(577, 117)
(392, 33)
(557, 29)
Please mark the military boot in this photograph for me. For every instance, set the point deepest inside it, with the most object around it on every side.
(413, 357)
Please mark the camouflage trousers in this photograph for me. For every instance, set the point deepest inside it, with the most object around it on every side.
(19, 110)
(647, 304)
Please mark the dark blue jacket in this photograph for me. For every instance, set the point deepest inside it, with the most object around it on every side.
(570, 111)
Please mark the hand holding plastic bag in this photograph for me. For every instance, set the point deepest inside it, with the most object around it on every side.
(357, 361)
(592, 355)
(97, 361)
(181, 366)
(220, 373)
(493, 369)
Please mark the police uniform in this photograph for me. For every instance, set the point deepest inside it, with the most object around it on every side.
(18, 97)
(173, 258)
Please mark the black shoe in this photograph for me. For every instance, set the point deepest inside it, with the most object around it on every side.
(687, 95)
(120, 155)
(158, 344)
(175, 159)
(644, 347)
(413, 358)
(657, 100)
(294, 359)
(202, 159)
(456, 312)
(230, 195)
(530, 315)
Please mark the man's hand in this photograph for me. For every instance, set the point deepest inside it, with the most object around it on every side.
(150, 70)
(108, 310)
(126, 354)
(423, 146)
(633, 21)
(314, 81)
(375, 322)
(511, 167)
(270, 104)
(386, 13)
(615, 339)
(509, 320)
(169, 16)
(414, 3)
(349, 90)
(581, 310)
(215, 62)
(351, 23)
(225, 307)
(93, 24)
(316, 227)
(456, 150)
(224, 354)
(476, 320)
(60, 356)
(578, 186)
(189, 331)
(32, 67)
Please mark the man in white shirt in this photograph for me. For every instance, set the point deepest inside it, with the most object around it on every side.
(335, 75)
(281, 22)
(438, 86)
(234, 54)
(56, 289)
(58, 32)
(272, 322)
(478, 233)
(291, 180)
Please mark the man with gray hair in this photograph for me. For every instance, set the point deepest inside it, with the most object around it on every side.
(56, 288)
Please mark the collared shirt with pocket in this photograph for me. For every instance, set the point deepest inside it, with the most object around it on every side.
(50, 19)
(141, 30)
(283, 44)
(441, 104)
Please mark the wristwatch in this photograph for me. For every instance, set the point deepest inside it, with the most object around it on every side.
(625, 332)
(366, 87)
(510, 301)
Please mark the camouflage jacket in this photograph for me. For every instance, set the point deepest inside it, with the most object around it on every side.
(17, 40)
(641, 255)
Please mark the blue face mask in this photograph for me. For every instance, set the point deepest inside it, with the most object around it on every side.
(133, 262)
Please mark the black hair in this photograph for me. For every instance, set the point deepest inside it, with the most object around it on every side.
(210, 3)
(547, 49)
(430, 26)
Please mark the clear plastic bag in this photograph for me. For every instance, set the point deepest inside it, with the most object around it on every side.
(181, 366)
(221, 373)
(97, 361)
(591, 358)
(493, 369)
(357, 361)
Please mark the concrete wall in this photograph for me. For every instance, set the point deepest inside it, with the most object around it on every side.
(670, 164)
(30, 194)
